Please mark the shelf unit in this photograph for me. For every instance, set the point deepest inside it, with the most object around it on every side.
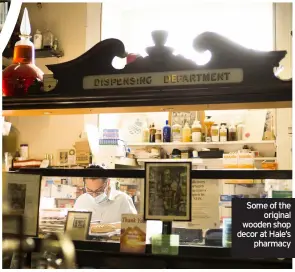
(199, 160)
(200, 143)
(39, 53)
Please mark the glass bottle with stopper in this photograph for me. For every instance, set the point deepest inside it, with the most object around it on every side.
(22, 75)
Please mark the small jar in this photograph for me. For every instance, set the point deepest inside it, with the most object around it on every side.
(55, 44)
(38, 39)
(47, 39)
(158, 136)
(24, 151)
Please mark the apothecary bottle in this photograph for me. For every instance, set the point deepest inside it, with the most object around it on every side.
(196, 131)
(215, 133)
(232, 132)
(223, 132)
(208, 123)
(22, 74)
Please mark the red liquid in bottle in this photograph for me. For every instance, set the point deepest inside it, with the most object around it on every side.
(19, 76)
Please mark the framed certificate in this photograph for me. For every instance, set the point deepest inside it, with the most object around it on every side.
(21, 193)
(77, 224)
(168, 191)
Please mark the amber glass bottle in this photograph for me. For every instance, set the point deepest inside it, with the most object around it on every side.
(18, 77)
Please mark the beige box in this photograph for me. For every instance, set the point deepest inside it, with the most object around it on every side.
(82, 152)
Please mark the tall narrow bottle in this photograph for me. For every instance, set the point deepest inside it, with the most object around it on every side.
(145, 134)
(176, 133)
(167, 133)
(208, 123)
(22, 74)
(186, 133)
(196, 131)
(152, 134)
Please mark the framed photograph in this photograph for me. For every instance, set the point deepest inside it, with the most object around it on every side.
(77, 224)
(168, 191)
(21, 192)
(63, 157)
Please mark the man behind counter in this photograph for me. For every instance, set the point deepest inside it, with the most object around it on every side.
(97, 199)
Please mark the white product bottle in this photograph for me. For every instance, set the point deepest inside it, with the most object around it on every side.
(215, 133)
(145, 134)
(38, 40)
(196, 131)
(176, 133)
(186, 133)
(240, 131)
(223, 132)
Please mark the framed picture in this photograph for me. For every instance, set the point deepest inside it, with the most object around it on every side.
(77, 224)
(181, 117)
(21, 192)
(63, 157)
(168, 191)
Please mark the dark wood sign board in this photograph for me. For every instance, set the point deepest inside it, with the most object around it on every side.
(233, 75)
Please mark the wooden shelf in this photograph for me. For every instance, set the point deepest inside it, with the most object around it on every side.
(199, 160)
(201, 143)
(56, 105)
(39, 53)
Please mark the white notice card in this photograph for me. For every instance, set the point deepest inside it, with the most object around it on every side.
(205, 204)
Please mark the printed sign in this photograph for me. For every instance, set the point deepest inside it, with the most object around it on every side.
(177, 78)
(77, 224)
(205, 209)
(133, 233)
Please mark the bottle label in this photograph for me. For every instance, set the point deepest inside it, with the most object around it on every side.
(196, 129)
(214, 132)
(223, 134)
(176, 135)
(196, 136)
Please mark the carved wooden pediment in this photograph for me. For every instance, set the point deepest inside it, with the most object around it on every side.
(257, 67)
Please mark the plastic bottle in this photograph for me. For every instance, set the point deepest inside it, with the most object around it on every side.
(240, 131)
(215, 133)
(176, 133)
(196, 131)
(145, 134)
(167, 133)
(186, 133)
(223, 132)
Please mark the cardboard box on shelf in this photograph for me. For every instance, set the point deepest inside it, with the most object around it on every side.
(82, 152)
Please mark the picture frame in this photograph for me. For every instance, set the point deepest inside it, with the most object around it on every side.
(77, 224)
(21, 192)
(63, 157)
(180, 118)
(168, 191)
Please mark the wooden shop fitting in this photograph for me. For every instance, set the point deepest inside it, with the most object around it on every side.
(234, 78)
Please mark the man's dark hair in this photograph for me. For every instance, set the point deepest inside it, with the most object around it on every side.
(94, 166)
